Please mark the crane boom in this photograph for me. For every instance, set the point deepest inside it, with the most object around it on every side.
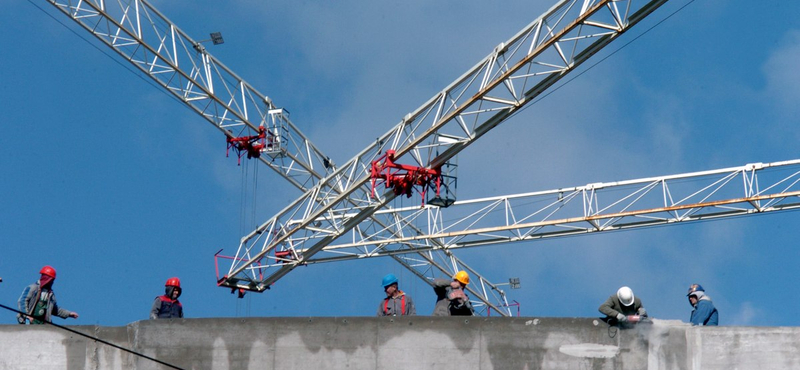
(158, 48)
(750, 189)
(514, 74)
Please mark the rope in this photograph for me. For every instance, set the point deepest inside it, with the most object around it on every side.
(99, 340)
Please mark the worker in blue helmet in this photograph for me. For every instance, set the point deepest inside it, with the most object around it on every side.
(396, 302)
(704, 312)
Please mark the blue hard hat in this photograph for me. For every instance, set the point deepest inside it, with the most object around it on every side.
(695, 288)
(388, 280)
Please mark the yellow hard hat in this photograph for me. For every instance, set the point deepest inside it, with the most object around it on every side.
(462, 277)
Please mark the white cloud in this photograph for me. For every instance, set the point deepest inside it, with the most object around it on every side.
(745, 314)
(783, 76)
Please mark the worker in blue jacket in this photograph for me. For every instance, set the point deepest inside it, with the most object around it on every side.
(704, 312)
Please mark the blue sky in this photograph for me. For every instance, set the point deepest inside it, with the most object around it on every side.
(120, 187)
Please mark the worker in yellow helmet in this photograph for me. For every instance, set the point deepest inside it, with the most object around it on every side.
(451, 300)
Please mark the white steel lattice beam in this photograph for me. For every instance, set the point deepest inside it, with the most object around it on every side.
(514, 74)
(158, 48)
(730, 192)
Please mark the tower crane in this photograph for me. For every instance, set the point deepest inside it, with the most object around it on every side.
(347, 201)
(515, 73)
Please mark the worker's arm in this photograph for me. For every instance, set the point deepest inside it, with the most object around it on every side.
(380, 308)
(440, 287)
(607, 308)
(466, 306)
(23, 304)
(61, 312)
(441, 283)
(156, 307)
(641, 311)
(410, 309)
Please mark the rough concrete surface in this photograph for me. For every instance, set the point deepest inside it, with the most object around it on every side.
(400, 343)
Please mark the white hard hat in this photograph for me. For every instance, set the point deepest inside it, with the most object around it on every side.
(625, 296)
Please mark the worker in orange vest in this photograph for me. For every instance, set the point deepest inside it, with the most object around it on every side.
(167, 306)
(396, 303)
(39, 301)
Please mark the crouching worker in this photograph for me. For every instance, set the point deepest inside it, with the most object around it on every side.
(39, 301)
(167, 306)
(623, 308)
(396, 302)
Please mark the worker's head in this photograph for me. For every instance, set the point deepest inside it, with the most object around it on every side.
(173, 288)
(696, 292)
(461, 277)
(48, 276)
(625, 296)
(695, 288)
(389, 284)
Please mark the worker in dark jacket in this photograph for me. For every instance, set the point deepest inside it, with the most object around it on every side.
(450, 297)
(39, 301)
(396, 303)
(167, 306)
(704, 312)
(623, 308)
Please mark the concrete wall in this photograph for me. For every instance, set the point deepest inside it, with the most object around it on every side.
(401, 343)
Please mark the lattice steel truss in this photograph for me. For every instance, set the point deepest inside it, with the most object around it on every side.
(729, 192)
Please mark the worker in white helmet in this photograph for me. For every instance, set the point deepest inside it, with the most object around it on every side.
(623, 308)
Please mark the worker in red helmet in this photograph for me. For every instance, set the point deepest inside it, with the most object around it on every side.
(167, 306)
(39, 301)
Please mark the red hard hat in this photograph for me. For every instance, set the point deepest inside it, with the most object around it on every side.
(173, 282)
(49, 271)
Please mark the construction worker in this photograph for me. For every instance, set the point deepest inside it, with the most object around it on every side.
(450, 297)
(167, 306)
(704, 313)
(623, 308)
(39, 301)
(396, 302)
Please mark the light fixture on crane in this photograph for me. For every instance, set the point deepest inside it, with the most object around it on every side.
(216, 39)
(512, 282)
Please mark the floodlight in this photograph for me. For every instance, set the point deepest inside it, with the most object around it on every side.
(216, 38)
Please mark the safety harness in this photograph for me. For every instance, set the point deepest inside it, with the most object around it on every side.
(402, 305)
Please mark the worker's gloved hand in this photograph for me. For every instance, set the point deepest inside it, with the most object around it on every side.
(621, 318)
(641, 312)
